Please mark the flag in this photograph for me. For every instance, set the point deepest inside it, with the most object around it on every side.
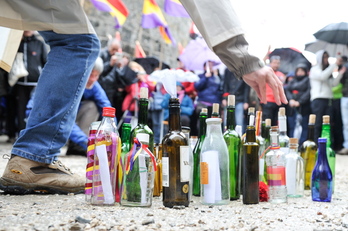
(138, 51)
(152, 17)
(115, 7)
(175, 8)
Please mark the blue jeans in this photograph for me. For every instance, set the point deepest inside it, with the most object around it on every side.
(57, 96)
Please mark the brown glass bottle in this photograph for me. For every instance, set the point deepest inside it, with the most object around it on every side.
(175, 161)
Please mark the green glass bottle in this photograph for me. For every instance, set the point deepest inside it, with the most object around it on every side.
(265, 129)
(125, 139)
(308, 151)
(142, 126)
(250, 163)
(331, 155)
(175, 161)
(233, 143)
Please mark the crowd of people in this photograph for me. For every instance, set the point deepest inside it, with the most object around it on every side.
(116, 80)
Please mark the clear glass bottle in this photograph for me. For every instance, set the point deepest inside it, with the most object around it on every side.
(175, 161)
(90, 159)
(107, 141)
(283, 137)
(186, 131)
(233, 143)
(139, 173)
(142, 126)
(250, 167)
(309, 150)
(276, 174)
(331, 155)
(294, 170)
(322, 179)
(216, 111)
(214, 166)
(203, 115)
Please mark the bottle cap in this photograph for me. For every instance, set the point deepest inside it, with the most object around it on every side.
(204, 110)
(216, 107)
(312, 118)
(268, 122)
(231, 100)
(326, 119)
(322, 140)
(144, 93)
(251, 110)
(281, 111)
(293, 140)
(143, 137)
(109, 111)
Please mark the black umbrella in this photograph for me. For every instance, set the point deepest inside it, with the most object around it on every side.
(334, 33)
(290, 58)
(150, 63)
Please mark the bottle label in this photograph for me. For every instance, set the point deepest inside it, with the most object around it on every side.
(282, 125)
(165, 171)
(204, 173)
(276, 176)
(185, 167)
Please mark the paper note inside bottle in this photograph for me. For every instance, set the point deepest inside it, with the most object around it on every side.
(105, 174)
(165, 171)
(212, 190)
(143, 177)
(185, 168)
(261, 166)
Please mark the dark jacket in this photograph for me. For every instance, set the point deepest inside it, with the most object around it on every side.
(35, 57)
(344, 82)
(237, 87)
(209, 89)
(186, 106)
(298, 89)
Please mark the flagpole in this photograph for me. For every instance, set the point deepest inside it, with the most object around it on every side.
(161, 55)
(140, 33)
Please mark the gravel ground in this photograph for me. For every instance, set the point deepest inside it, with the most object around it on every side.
(71, 212)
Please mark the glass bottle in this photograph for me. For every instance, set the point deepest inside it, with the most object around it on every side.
(322, 179)
(107, 143)
(142, 126)
(157, 188)
(175, 161)
(203, 115)
(265, 129)
(250, 167)
(283, 137)
(309, 152)
(275, 160)
(139, 172)
(214, 166)
(186, 131)
(125, 147)
(331, 155)
(215, 112)
(90, 159)
(233, 143)
(294, 170)
(261, 141)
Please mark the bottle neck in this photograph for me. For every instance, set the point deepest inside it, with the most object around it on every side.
(231, 118)
(143, 111)
(326, 133)
(274, 140)
(250, 134)
(125, 138)
(282, 125)
(322, 157)
(202, 125)
(214, 128)
(265, 131)
(293, 149)
(311, 129)
(174, 115)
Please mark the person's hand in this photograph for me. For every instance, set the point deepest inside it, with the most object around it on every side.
(245, 106)
(113, 60)
(224, 102)
(258, 79)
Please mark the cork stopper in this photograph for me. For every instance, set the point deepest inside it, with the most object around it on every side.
(274, 129)
(216, 107)
(268, 122)
(312, 118)
(326, 119)
(231, 100)
(293, 140)
(281, 111)
(251, 110)
(144, 93)
(204, 110)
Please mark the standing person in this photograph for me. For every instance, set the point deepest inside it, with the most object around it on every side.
(322, 81)
(237, 87)
(270, 109)
(74, 49)
(344, 110)
(298, 93)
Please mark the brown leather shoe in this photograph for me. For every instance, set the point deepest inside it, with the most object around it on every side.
(24, 176)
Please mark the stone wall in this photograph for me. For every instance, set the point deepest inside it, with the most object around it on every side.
(150, 39)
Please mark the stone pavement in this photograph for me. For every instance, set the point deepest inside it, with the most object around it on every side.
(71, 212)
